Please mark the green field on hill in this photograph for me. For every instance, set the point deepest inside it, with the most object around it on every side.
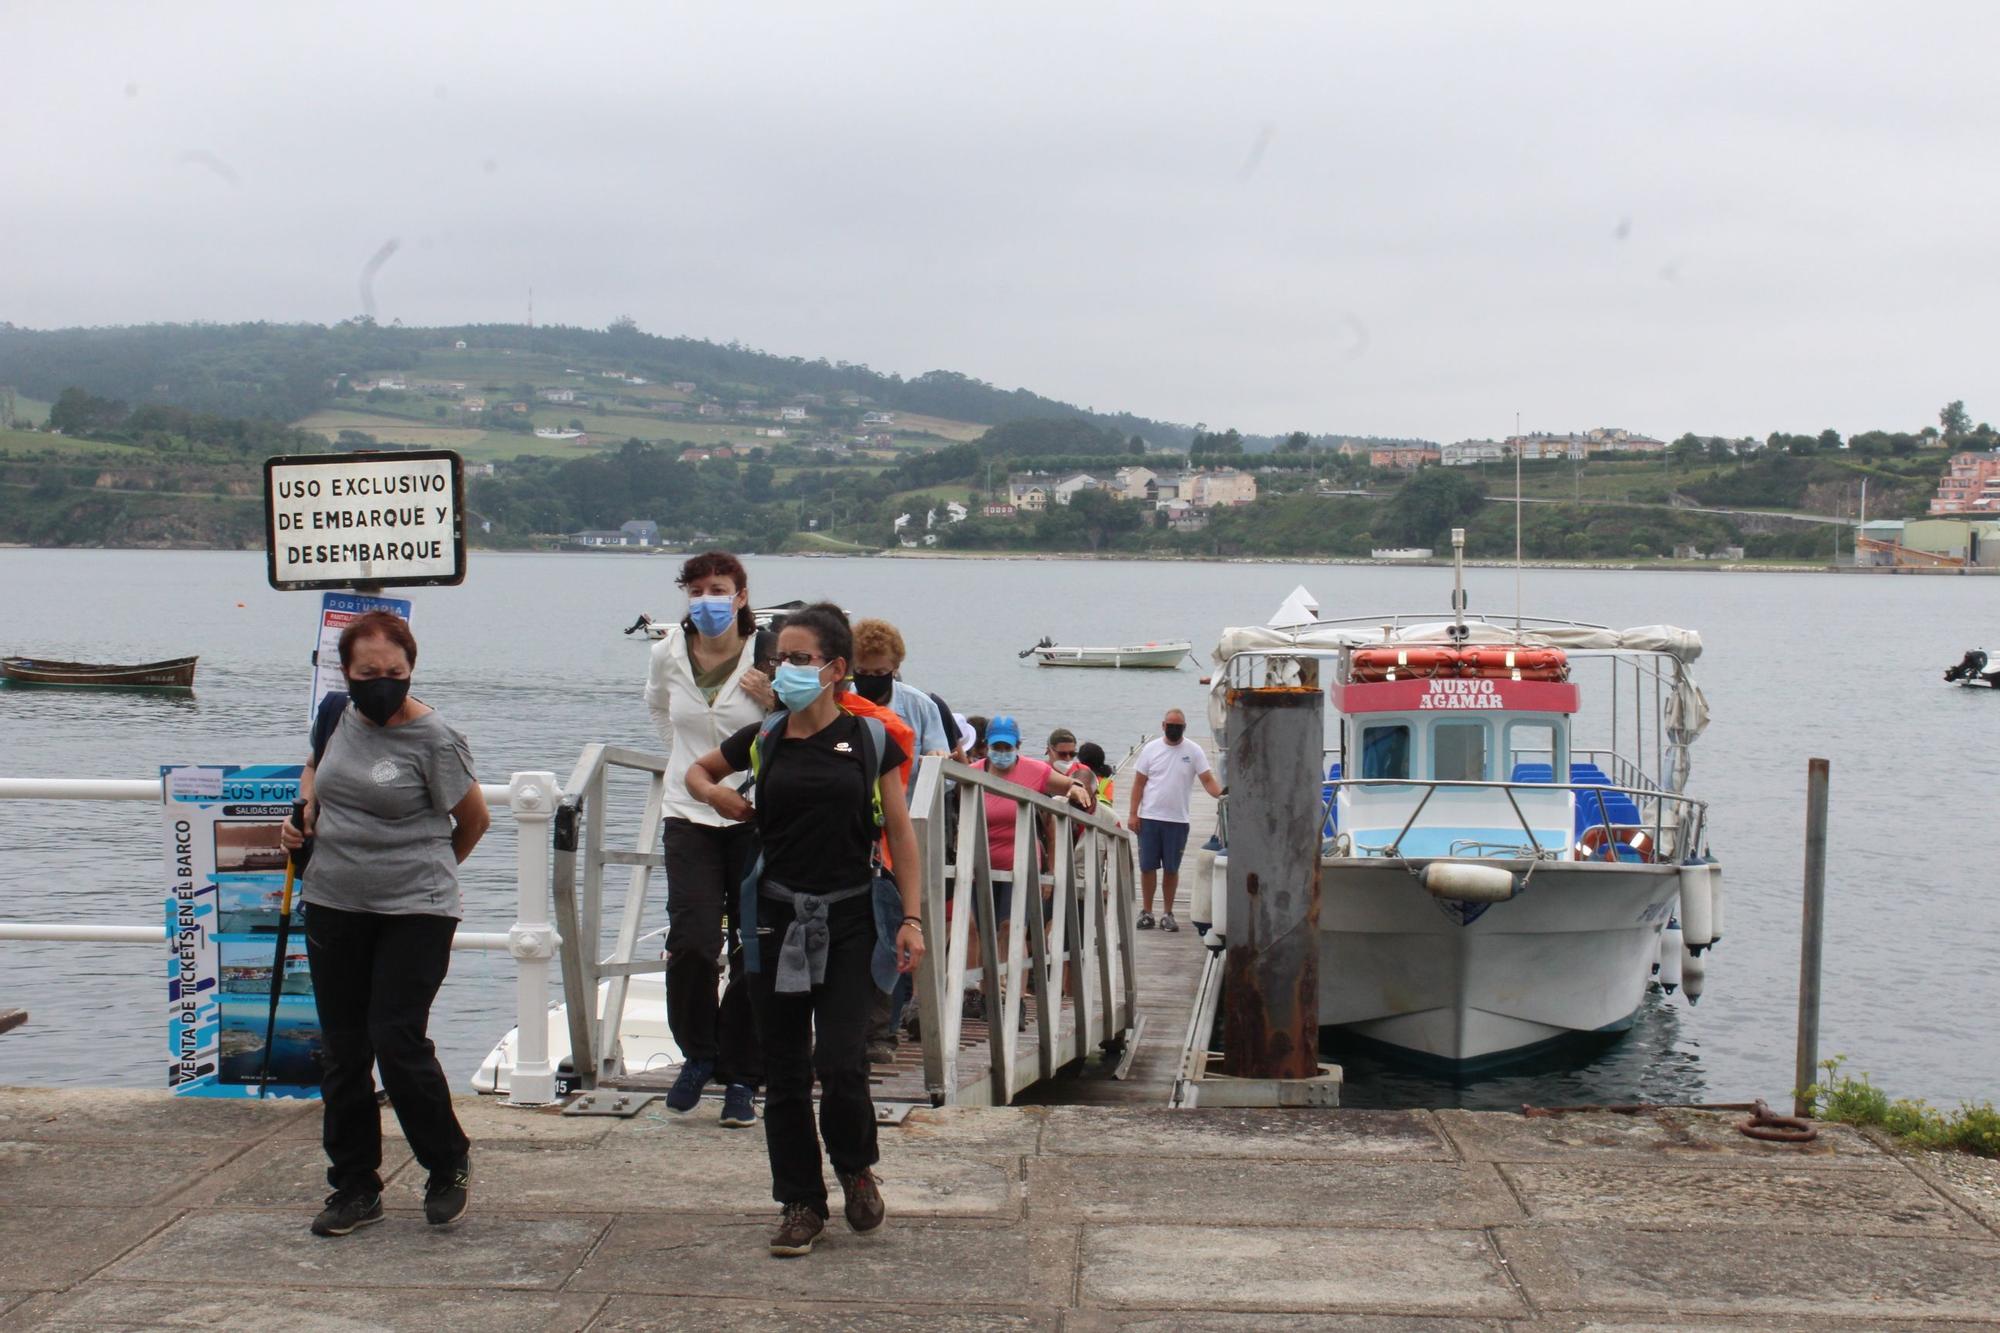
(15, 443)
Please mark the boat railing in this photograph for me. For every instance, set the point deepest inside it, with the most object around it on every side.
(529, 797)
(1077, 949)
(1676, 828)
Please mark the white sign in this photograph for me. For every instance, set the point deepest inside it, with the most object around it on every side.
(337, 520)
(337, 610)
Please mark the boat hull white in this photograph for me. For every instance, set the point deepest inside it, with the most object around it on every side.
(1153, 656)
(644, 1040)
(1469, 986)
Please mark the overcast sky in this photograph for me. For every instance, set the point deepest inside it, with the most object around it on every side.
(1403, 219)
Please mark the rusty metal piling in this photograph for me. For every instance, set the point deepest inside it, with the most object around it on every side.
(1271, 975)
(1812, 936)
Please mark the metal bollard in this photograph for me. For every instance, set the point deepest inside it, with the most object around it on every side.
(1271, 975)
(1812, 934)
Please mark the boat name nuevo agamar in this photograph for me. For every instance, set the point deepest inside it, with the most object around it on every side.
(1460, 694)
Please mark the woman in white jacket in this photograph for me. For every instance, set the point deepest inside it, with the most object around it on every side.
(704, 685)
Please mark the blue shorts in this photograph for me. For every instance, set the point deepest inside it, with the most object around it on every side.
(1161, 842)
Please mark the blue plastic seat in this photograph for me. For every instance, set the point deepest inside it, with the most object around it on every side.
(1326, 799)
(1534, 773)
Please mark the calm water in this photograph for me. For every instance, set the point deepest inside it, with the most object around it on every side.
(527, 660)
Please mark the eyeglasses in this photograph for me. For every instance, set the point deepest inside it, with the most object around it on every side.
(801, 659)
(1063, 754)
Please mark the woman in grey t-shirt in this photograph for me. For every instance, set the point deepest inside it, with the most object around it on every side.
(393, 807)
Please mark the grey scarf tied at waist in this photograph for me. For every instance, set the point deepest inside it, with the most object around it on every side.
(802, 958)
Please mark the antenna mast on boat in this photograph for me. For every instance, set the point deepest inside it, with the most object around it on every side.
(1518, 446)
(1458, 630)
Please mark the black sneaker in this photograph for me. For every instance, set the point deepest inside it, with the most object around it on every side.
(1145, 920)
(798, 1227)
(685, 1095)
(739, 1106)
(448, 1193)
(346, 1210)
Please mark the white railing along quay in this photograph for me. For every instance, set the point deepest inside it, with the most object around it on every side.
(531, 941)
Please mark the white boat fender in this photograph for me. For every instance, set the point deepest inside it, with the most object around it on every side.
(1694, 975)
(1201, 901)
(1219, 892)
(1464, 882)
(1714, 903)
(1697, 925)
(1670, 956)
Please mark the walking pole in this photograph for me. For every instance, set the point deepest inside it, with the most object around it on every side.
(294, 862)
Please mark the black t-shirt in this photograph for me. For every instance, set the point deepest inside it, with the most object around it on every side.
(814, 813)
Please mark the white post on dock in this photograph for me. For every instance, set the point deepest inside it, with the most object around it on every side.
(532, 940)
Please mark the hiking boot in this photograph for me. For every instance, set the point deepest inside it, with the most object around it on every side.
(881, 1052)
(739, 1106)
(864, 1209)
(798, 1227)
(1167, 922)
(447, 1193)
(347, 1209)
(685, 1095)
(1145, 920)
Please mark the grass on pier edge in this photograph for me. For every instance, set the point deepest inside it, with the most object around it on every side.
(1856, 1101)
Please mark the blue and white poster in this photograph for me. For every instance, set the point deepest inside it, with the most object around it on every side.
(225, 872)
(336, 611)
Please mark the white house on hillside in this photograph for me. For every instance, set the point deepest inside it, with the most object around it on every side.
(1069, 487)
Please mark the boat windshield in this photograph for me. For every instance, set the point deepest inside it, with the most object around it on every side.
(1458, 752)
(1385, 752)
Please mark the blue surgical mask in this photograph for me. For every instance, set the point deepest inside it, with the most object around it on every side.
(797, 686)
(1003, 756)
(712, 615)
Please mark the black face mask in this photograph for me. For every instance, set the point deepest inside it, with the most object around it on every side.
(379, 699)
(1173, 731)
(875, 689)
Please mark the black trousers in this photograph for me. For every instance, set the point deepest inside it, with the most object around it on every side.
(823, 1034)
(705, 868)
(374, 977)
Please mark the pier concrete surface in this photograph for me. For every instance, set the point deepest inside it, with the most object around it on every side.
(124, 1209)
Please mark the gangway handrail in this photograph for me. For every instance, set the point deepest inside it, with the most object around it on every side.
(531, 942)
(1085, 948)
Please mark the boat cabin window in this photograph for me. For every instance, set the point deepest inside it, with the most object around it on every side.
(1385, 751)
(1458, 752)
(1534, 753)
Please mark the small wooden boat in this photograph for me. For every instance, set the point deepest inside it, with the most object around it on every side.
(175, 673)
(1164, 655)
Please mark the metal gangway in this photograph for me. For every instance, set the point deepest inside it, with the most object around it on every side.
(1069, 966)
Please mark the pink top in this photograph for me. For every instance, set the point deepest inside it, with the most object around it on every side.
(1033, 774)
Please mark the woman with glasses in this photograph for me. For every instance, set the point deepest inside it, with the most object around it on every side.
(704, 684)
(812, 980)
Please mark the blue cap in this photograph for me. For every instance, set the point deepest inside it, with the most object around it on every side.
(1002, 730)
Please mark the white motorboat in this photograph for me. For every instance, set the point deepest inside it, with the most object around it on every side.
(650, 630)
(1499, 866)
(1165, 655)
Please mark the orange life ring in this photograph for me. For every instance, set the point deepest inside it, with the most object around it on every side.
(1591, 845)
(1489, 662)
(1503, 663)
(1418, 663)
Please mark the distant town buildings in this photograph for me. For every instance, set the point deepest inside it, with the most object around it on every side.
(1467, 453)
(1971, 485)
(1403, 457)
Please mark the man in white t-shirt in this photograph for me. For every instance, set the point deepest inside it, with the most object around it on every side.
(1162, 780)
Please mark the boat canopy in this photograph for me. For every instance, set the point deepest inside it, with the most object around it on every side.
(1685, 712)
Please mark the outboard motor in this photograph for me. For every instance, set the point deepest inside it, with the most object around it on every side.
(1973, 665)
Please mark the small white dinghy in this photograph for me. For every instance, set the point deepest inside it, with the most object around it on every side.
(1164, 655)
(644, 1041)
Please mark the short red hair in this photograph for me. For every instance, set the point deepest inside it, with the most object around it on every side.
(377, 625)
